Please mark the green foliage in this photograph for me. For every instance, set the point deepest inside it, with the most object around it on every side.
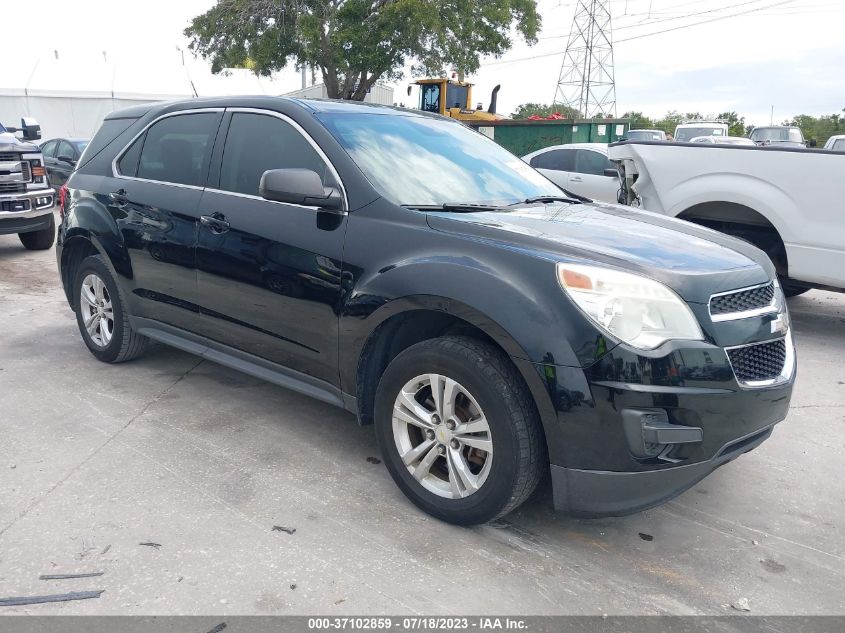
(639, 121)
(355, 43)
(736, 123)
(542, 110)
(819, 128)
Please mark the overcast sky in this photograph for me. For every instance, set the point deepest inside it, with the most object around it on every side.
(789, 54)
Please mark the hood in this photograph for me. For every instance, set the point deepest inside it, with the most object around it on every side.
(11, 143)
(785, 144)
(692, 260)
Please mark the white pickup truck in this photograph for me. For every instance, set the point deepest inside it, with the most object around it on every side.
(788, 202)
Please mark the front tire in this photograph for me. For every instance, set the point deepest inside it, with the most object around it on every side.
(458, 430)
(40, 240)
(101, 315)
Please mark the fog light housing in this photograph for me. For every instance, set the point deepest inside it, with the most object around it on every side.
(42, 202)
(650, 434)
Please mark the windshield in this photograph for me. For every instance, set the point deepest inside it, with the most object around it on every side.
(777, 134)
(421, 161)
(645, 135)
(688, 133)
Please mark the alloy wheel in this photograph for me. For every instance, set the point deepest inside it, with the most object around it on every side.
(442, 436)
(97, 312)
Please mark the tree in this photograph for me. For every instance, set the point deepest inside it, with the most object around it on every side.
(819, 128)
(639, 121)
(542, 110)
(354, 43)
(736, 123)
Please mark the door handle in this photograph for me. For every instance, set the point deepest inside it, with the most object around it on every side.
(216, 222)
(119, 197)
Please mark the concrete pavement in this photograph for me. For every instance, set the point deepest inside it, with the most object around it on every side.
(204, 461)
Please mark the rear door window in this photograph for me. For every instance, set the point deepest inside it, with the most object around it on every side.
(49, 149)
(557, 159)
(66, 151)
(257, 143)
(590, 162)
(128, 163)
(177, 149)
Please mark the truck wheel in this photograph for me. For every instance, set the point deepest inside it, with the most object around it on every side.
(458, 430)
(101, 316)
(40, 240)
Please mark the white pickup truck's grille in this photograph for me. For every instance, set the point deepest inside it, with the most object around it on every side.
(14, 173)
(12, 187)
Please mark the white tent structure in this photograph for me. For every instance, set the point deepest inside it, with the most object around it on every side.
(69, 95)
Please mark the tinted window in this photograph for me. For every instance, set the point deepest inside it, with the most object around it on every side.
(128, 163)
(256, 143)
(176, 149)
(456, 96)
(557, 159)
(49, 148)
(65, 150)
(589, 162)
(421, 160)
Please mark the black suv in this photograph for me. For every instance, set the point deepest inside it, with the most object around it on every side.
(408, 269)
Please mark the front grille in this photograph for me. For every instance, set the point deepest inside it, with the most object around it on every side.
(12, 187)
(26, 171)
(762, 361)
(14, 205)
(9, 156)
(743, 300)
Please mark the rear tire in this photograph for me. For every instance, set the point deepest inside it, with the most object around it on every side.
(101, 315)
(489, 406)
(40, 240)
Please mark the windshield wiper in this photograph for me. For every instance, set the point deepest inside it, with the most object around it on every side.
(571, 198)
(458, 207)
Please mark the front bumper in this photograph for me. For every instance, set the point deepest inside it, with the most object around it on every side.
(595, 493)
(25, 212)
(636, 429)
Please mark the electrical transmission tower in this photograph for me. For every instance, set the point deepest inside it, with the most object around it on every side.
(586, 80)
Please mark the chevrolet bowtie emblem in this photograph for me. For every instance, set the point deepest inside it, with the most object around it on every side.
(779, 325)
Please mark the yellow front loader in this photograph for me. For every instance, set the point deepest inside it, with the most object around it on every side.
(453, 98)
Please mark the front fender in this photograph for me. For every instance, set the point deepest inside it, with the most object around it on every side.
(518, 310)
(360, 334)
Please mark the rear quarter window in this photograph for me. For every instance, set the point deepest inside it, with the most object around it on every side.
(109, 130)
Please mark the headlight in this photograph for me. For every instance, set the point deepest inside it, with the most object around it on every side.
(640, 311)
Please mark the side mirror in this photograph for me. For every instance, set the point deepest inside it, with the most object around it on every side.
(66, 159)
(299, 186)
(611, 173)
(30, 128)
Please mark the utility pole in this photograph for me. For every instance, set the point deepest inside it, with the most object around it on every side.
(586, 80)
